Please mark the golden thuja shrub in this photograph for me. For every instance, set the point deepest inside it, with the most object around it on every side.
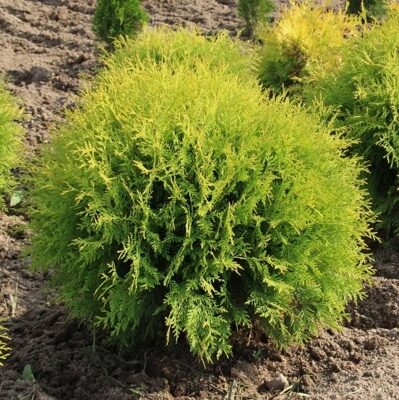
(10, 146)
(10, 140)
(362, 95)
(306, 39)
(178, 203)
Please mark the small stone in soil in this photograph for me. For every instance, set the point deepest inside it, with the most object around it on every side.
(276, 357)
(307, 381)
(277, 384)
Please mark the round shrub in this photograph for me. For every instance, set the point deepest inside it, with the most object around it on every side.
(365, 92)
(10, 140)
(306, 40)
(177, 202)
(118, 17)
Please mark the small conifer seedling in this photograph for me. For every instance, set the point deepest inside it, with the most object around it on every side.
(178, 203)
(364, 90)
(113, 18)
(10, 140)
(254, 12)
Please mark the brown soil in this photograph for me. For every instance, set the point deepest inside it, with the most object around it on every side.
(47, 47)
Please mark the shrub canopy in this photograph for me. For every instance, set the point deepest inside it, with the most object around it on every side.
(178, 202)
(182, 46)
(306, 40)
(10, 140)
(365, 92)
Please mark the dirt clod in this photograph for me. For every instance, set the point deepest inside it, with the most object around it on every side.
(277, 384)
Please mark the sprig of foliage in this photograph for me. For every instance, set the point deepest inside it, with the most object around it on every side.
(365, 92)
(113, 18)
(177, 202)
(10, 140)
(307, 39)
(4, 349)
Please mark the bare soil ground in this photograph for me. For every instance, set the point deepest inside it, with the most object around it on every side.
(47, 49)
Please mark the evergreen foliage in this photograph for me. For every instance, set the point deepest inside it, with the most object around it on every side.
(4, 349)
(10, 140)
(254, 12)
(307, 39)
(178, 202)
(113, 18)
(365, 91)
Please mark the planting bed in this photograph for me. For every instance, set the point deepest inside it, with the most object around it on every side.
(46, 48)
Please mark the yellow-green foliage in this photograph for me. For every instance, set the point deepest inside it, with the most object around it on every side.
(10, 140)
(179, 46)
(307, 39)
(364, 89)
(177, 202)
(4, 349)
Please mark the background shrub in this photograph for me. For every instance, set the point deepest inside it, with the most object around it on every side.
(365, 92)
(177, 202)
(10, 136)
(118, 17)
(307, 39)
(373, 8)
(255, 11)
